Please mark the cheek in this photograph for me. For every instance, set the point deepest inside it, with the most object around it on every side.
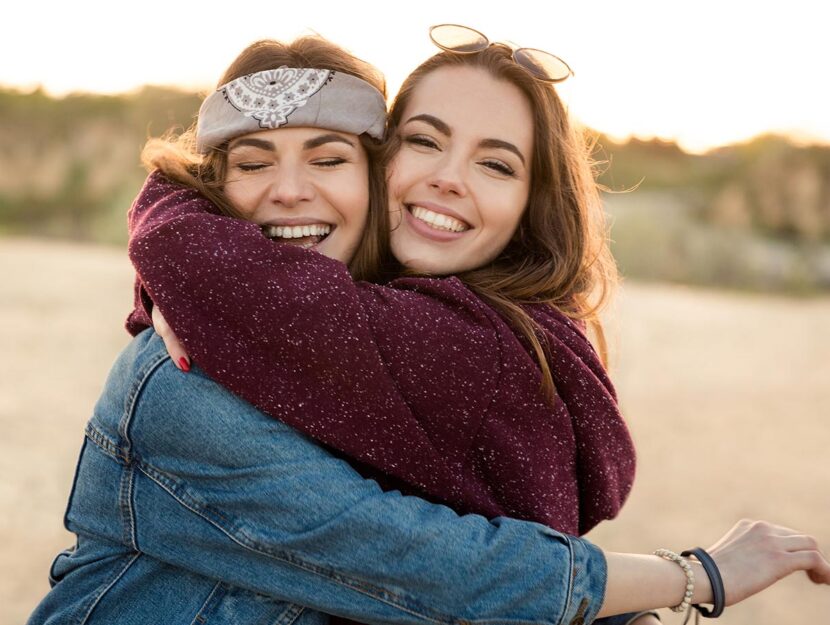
(351, 197)
(398, 175)
(242, 197)
(245, 196)
(506, 215)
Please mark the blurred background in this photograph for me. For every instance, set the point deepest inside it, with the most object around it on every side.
(713, 145)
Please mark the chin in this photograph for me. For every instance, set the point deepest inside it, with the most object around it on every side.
(416, 259)
(428, 266)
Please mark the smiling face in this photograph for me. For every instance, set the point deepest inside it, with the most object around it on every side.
(459, 184)
(303, 186)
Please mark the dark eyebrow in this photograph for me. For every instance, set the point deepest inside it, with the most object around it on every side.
(504, 145)
(257, 143)
(444, 129)
(316, 142)
(433, 121)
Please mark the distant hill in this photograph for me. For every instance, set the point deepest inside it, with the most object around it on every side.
(69, 167)
(768, 185)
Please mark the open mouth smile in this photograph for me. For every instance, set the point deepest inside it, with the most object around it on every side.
(437, 221)
(305, 236)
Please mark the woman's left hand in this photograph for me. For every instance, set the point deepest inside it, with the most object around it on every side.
(171, 342)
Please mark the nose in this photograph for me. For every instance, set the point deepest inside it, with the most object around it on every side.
(290, 187)
(449, 178)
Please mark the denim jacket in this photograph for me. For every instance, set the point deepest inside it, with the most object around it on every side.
(190, 506)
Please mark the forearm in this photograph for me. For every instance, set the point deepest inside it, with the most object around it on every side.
(641, 582)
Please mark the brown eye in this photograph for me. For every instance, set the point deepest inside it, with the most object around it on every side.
(422, 140)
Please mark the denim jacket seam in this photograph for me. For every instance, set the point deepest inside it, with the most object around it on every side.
(127, 508)
(131, 401)
(105, 443)
(199, 618)
(571, 574)
(239, 536)
(290, 615)
(591, 593)
(104, 589)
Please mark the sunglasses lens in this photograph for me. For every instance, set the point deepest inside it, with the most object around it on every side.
(458, 38)
(543, 65)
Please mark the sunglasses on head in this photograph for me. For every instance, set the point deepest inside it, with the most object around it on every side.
(459, 39)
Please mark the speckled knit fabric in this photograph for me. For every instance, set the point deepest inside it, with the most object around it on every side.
(418, 380)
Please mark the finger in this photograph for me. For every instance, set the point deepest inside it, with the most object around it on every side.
(177, 352)
(814, 563)
(797, 542)
(171, 342)
(160, 323)
(781, 530)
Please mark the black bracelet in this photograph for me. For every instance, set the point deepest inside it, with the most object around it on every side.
(716, 581)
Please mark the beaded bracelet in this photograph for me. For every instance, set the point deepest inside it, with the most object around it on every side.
(690, 577)
(715, 580)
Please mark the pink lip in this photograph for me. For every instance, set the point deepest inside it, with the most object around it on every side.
(427, 231)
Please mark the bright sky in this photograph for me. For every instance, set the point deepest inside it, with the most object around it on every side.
(704, 73)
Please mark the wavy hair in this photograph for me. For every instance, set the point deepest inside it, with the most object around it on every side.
(559, 254)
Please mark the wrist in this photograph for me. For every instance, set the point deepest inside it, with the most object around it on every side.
(703, 587)
(692, 575)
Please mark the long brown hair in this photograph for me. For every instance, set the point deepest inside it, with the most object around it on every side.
(559, 255)
(176, 155)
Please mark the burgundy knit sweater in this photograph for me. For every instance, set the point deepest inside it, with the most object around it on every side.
(419, 380)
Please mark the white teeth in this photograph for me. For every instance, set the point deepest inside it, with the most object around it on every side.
(438, 221)
(295, 232)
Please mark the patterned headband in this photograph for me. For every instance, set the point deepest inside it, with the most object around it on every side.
(290, 97)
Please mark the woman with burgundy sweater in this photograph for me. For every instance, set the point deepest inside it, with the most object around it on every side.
(479, 391)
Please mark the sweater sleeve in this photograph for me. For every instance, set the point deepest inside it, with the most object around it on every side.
(291, 332)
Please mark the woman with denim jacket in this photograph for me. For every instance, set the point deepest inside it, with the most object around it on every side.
(167, 233)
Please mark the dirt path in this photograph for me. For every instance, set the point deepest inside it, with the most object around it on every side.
(727, 397)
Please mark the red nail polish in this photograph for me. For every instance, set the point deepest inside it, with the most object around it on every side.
(183, 364)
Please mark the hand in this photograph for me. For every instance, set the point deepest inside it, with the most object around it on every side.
(751, 556)
(755, 554)
(646, 619)
(173, 345)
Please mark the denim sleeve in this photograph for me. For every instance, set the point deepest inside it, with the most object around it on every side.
(213, 486)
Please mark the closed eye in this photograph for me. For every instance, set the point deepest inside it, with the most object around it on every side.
(333, 161)
(422, 140)
(251, 166)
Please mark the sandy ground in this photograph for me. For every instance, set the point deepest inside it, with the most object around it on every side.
(727, 396)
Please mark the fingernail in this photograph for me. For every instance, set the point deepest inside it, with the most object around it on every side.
(183, 364)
